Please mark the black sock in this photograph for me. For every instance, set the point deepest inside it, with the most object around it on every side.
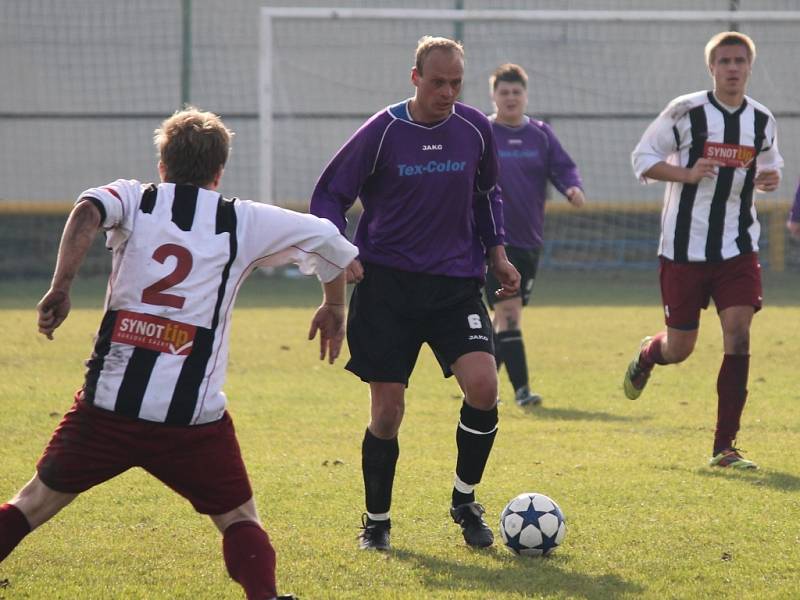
(513, 350)
(498, 352)
(460, 498)
(474, 438)
(378, 461)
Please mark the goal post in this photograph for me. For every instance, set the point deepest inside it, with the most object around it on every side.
(598, 77)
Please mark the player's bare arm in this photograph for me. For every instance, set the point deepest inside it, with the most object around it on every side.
(704, 168)
(506, 273)
(329, 319)
(79, 232)
(794, 228)
(576, 196)
(767, 180)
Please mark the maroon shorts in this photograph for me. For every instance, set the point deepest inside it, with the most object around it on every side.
(686, 288)
(202, 462)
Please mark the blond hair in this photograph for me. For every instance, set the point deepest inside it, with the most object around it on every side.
(510, 73)
(730, 38)
(429, 43)
(193, 146)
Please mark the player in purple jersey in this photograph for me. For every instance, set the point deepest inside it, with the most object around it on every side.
(424, 169)
(530, 155)
(793, 224)
(196, 238)
(714, 148)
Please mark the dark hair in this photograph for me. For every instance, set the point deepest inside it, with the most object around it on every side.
(510, 73)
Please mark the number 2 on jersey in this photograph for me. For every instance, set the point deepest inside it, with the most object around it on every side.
(154, 294)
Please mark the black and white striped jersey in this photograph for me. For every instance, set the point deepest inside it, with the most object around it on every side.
(180, 254)
(715, 219)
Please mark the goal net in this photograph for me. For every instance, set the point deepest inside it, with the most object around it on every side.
(598, 78)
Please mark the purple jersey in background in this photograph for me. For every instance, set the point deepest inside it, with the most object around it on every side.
(424, 190)
(530, 156)
(794, 215)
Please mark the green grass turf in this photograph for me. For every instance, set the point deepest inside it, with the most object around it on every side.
(645, 516)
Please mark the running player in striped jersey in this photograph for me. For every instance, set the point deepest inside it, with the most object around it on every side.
(530, 156)
(424, 170)
(713, 148)
(152, 395)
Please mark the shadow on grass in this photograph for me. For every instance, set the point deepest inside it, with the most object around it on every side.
(572, 414)
(762, 478)
(518, 575)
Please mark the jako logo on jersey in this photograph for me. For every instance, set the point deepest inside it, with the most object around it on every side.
(153, 333)
(433, 166)
(432, 147)
(732, 155)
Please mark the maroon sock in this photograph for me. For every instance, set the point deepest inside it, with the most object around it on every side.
(732, 392)
(250, 559)
(13, 527)
(652, 355)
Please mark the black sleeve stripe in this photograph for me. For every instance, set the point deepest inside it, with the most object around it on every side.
(99, 206)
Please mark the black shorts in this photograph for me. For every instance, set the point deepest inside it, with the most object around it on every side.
(527, 262)
(392, 313)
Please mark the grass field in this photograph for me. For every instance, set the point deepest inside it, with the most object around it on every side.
(645, 516)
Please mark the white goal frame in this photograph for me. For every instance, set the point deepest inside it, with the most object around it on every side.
(270, 16)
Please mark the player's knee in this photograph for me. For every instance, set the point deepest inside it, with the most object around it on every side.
(738, 342)
(681, 353)
(678, 348)
(386, 417)
(482, 393)
(386, 423)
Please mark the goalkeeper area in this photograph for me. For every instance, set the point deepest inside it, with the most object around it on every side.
(94, 80)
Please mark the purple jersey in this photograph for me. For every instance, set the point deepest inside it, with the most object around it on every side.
(530, 156)
(425, 190)
(794, 215)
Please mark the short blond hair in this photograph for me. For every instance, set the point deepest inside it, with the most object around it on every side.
(730, 38)
(429, 43)
(193, 146)
(510, 73)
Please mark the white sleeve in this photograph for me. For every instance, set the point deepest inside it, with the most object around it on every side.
(657, 144)
(770, 157)
(273, 236)
(119, 200)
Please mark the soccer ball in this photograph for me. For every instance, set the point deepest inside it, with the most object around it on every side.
(532, 524)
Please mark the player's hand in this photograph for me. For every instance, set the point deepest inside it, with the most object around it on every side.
(575, 196)
(508, 276)
(767, 180)
(329, 321)
(53, 308)
(704, 168)
(794, 228)
(354, 271)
